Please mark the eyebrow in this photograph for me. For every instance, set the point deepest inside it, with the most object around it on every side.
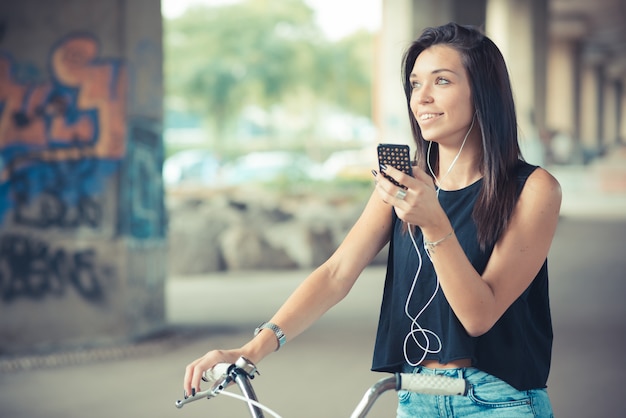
(437, 71)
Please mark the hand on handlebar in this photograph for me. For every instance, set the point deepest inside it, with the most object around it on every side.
(194, 370)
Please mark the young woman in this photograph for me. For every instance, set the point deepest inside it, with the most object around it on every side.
(466, 291)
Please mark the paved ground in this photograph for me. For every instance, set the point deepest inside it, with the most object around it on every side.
(325, 372)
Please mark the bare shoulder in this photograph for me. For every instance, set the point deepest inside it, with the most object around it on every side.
(543, 189)
(542, 180)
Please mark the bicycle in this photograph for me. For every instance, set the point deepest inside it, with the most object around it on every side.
(243, 371)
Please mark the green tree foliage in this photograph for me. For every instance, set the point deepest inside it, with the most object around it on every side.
(349, 79)
(220, 59)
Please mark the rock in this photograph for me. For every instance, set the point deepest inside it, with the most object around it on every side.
(244, 248)
(248, 230)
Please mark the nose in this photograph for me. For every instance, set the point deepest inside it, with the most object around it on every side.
(422, 95)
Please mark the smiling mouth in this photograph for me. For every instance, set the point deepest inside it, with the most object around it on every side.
(428, 116)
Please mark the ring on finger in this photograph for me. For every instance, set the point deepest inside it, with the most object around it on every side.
(400, 194)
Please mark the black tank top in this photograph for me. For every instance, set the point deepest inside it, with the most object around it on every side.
(518, 347)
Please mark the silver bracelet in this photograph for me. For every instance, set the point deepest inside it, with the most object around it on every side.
(430, 245)
(278, 332)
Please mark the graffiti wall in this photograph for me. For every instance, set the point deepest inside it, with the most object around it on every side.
(62, 133)
(64, 138)
(34, 269)
(82, 217)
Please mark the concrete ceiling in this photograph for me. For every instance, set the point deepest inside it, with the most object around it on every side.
(598, 25)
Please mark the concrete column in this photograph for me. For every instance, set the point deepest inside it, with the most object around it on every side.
(609, 114)
(615, 70)
(540, 62)
(403, 21)
(619, 112)
(577, 83)
(572, 97)
(589, 107)
(519, 28)
(439, 12)
(560, 95)
(600, 91)
(82, 219)
(395, 36)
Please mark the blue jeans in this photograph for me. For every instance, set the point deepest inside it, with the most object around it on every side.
(488, 396)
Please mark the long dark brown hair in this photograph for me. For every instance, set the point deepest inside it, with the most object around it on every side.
(495, 112)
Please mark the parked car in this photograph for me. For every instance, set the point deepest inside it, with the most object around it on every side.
(265, 166)
(191, 167)
(350, 164)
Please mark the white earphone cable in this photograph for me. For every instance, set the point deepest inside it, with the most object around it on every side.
(432, 173)
(416, 329)
(251, 402)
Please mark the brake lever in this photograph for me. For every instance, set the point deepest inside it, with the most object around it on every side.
(222, 374)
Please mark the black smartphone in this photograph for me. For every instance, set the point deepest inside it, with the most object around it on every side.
(395, 155)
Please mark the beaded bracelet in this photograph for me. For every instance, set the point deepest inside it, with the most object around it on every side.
(430, 245)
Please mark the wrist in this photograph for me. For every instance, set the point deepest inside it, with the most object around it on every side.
(431, 246)
(259, 347)
(437, 234)
(436, 231)
(279, 334)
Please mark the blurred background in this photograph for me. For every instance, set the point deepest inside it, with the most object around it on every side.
(172, 169)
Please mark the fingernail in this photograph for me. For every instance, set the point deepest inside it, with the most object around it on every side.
(193, 391)
(375, 173)
(185, 394)
(383, 167)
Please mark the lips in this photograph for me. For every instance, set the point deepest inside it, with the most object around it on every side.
(423, 117)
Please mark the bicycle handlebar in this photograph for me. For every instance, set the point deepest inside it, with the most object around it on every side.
(244, 370)
(420, 383)
(221, 376)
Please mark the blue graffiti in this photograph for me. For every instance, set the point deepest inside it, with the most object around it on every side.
(60, 137)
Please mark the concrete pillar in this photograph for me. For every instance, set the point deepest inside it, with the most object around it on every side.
(619, 112)
(439, 12)
(615, 73)
(82, 238)
(396, 33)
(577, 88)
(589, 107)
(403, 21)
(562, 95)
(572, 95)
(519, 28)
(600, 91)
(561, 90)
(609, 113)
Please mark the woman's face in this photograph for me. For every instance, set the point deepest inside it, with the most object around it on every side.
(441, 97)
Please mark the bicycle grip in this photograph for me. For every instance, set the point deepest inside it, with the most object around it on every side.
(431, 384)
(217, 372)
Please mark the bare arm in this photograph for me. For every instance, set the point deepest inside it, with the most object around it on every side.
(320, 291)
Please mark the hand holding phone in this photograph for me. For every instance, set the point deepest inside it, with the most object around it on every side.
(397, 156)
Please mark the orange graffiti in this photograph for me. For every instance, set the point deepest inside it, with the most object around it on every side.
(75, 64)
(12, 96)
(89, 89)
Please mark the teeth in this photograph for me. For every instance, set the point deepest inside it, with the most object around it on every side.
(428, 116)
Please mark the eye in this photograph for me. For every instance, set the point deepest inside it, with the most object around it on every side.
(416, 85)
(442, 81)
